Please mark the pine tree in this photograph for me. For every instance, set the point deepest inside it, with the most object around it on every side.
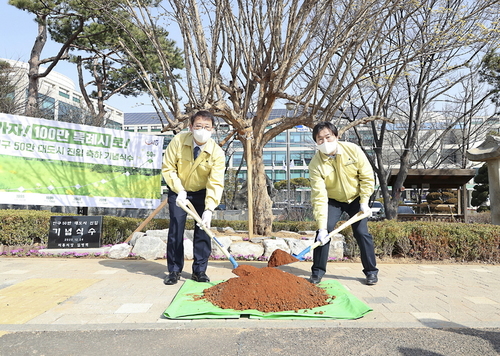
(481, 190)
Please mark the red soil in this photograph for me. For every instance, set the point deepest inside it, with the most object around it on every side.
(267, 290)
(280, 258)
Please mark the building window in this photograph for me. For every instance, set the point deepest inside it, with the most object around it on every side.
(64, 94)
(76, 99)
(268, 158)
(451, 139)
(47, 104)
(281, 138)
(242, 175)
(237, 158)
(111, 124)
(166, 140)
(296, 174)
(303, 138)
(279, 176)
(237, 144)
(70, 113)
(450, 156)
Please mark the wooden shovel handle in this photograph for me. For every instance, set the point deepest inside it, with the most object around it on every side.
(148, 219)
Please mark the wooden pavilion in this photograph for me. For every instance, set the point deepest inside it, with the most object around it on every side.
(438, 179)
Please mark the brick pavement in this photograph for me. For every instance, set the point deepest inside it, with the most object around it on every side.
(93, 294)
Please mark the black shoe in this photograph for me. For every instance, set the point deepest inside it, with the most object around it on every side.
(200, 277)
(371, 279)
(314, 279)
(172, 278)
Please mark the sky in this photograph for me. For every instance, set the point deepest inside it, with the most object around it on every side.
(17, 35)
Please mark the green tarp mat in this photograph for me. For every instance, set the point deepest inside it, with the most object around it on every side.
(343, 306)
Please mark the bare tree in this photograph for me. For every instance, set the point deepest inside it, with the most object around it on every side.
(11, 101)
(435, 47)
(243, 58)
(467, 117)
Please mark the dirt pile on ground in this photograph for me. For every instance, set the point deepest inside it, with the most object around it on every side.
(280, 258)
(267, 290)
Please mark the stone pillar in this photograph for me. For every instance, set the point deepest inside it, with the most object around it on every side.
(489, 152)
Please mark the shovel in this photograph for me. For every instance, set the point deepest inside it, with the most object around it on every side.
(192, 211)
(273, 260)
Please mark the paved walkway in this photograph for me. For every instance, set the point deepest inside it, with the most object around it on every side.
(52, 294)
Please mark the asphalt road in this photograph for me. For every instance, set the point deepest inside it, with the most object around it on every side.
(256, 341)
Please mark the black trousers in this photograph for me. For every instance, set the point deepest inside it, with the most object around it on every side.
(360, 232)
(175, 241)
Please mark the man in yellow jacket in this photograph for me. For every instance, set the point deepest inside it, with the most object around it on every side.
(342, 180)
(193, 168)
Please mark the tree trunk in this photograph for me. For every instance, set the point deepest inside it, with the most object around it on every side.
(262, 204)
(32, 100)
(32, 108)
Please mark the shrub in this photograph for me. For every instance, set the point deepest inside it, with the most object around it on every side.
(24, 227)
(432, 196)
(480, 218)
(432, 241)
(429, 241)
(416, 239)
(483, 209)
(446, 196)
(235, 224)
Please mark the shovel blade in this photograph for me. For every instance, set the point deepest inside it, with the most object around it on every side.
(302, 256)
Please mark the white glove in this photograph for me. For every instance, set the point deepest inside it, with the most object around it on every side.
(322, 237)
(365, 209)
(181, 198)
(206, 218)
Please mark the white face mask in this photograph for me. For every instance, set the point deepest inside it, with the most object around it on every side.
(328, 147)
(201, 135)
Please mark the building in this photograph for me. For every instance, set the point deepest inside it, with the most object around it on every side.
(59, 100)
(297, 147)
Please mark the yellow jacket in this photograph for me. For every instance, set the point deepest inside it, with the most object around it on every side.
(344, 178)
(182, 172)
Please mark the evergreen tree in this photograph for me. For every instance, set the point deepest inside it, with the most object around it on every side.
(481, 190)
(490, 73)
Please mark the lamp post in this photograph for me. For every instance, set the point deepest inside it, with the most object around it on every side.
(289, 107)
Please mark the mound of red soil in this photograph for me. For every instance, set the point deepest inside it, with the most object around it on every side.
(243, 270)
(280, 258)
(267, 290)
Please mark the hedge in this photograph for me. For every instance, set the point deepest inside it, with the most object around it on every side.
(23, 227)
(432, 241)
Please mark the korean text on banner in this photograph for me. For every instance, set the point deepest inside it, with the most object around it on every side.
(46, 162)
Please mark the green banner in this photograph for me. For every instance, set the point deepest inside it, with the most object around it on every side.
(45, 162)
